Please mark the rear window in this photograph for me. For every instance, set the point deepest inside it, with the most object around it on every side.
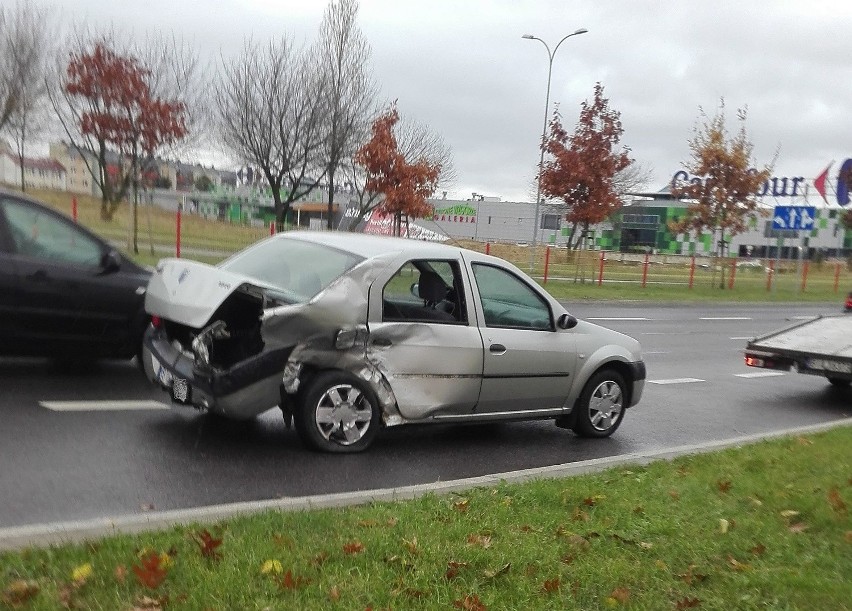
(300, 269)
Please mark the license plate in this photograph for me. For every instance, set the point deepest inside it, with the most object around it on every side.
(181, 391)
(833, 366)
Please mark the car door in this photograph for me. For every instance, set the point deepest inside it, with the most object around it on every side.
(528, 364)
(427, 345)
(8, 285)
(65, 297)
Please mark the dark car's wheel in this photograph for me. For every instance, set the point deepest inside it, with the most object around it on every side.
(839, 382)
(600, 409)
(337, 413)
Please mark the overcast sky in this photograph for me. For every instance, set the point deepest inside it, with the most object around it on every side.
(462, 69)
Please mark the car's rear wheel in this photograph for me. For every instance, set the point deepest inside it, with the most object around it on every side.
(337, 413)
(600, 409)
(839, 382)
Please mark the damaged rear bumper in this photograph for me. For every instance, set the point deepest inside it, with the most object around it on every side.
(242, 391)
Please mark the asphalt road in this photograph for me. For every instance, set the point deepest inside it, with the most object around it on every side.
(78, 465)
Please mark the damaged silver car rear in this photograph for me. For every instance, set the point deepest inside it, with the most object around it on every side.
(349, 333)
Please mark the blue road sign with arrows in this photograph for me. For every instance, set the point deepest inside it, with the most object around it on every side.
(793, 217)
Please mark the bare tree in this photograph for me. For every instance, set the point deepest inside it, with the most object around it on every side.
(270, 114)
(25, 41)
(342, 55)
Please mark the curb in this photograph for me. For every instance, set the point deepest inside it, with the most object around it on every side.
(55, 533)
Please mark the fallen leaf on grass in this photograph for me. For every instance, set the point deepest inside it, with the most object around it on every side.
(798, 527)
(470, 602)
(593, 500)
(319, 559)
(150, 572)
(271, 566)
(461, 505)
(724, 525)
(674, 494)
(353, 547)
(146, 603)
(737, 565)
(411, 546)
(580, 516)
(804, 441)
(334, 593)
(619, 596)
(691, 577)
(483, 541)
(283, 541)
(120, 573)
(453, 569)
(551, 585)
(208, 545)
(289, 582)
(758, 549)
(687, 603)
(491, 574)
(848, 536)
(724, 486)
(81, 573)
(368, 523)
(789, 513)
(19, 592)
(836, 501)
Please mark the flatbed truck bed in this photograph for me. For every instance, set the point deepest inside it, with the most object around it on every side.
(821, 346)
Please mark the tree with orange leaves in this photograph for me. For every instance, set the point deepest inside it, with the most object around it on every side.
(404, 186)
(581, 167)
(724, 197)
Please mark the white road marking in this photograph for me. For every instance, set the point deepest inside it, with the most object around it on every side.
(101, 406)
(617, 318)
(655, 352)
(760, 374)
(725, 318)
(802, 317)
(676, 381)
(746, 337)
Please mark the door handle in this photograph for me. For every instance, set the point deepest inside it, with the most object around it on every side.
(382, 341)
(497, 349)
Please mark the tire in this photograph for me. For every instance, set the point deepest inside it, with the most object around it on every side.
(839, 382)
(337, 413)
(600, 409)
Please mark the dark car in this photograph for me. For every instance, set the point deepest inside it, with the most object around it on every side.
(65, 292)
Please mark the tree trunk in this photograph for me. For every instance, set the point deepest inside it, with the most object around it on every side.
(330, 221)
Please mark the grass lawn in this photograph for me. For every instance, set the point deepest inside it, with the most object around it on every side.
(765, 526)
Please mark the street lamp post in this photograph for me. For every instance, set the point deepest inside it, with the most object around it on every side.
(550, 57)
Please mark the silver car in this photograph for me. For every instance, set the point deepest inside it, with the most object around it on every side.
(348, 333)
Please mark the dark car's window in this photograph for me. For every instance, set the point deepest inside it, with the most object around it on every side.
(300, 269)
(408, 297)
(39, 234)
(508, 301)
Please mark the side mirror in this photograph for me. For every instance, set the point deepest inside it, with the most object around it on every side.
(415, 289)
(566, 321)
(110, 262)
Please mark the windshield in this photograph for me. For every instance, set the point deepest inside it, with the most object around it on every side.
(300, 269)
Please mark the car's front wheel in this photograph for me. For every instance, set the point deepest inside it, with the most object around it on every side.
(600, 409)
(337, 413)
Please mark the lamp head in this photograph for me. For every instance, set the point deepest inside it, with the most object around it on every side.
(528, 36)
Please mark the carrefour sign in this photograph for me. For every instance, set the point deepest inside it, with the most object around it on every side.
(775, 186)
(790, 187)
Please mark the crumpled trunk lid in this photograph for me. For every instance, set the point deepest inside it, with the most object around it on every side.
(189, 293)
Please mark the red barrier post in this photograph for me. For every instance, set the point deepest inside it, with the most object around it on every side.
(691, 272)
(177, 233)
(600, 270)
(805, 276)
(836, 276)
(546, 262)
(733, 274)
(74, 208)
(488, 248)
(769, 275)
(645, 270)
(272, 227)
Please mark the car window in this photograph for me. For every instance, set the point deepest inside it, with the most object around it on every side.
(42, 235)
(508, 301)
(300, 269)
(425, 291)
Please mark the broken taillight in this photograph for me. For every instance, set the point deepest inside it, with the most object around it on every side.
(156, 322)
